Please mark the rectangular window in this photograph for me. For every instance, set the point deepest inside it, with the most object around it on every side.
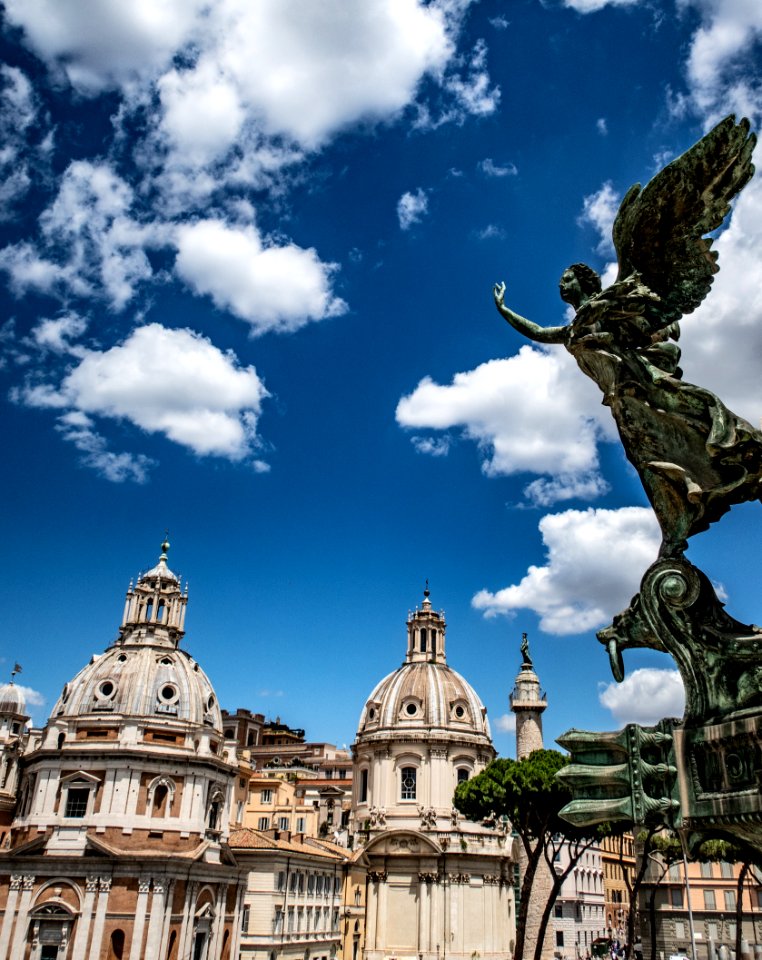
(292, 883)
(726, 870)
(559, 910)
(278, 920)
(281, 880)
(290, 919)
(674, 871)
(706, 869)
(311, 884)
(363, 786)
(245, 920)
(731, 930)
(319, 885)
(408, 791)
(300, 884)
(709, 901)
(711, 931)
(730, 900)
(679, 929)
(559, 938)
(676, 896)
(283, 823)
(266, 796)
(76, 802)
(300, 824)
(264, 823)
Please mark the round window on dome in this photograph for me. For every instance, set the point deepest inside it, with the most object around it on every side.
(411, 709)
(168, 693)
(106, 690)
(210, 702)
(372, 713)
(460, 712)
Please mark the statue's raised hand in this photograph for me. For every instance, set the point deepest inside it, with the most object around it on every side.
(499, 293)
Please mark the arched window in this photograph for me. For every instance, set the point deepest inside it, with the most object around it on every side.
(422, 645)
(364, 785)
(160, 795)
(116, 946)
(160, 610)
(149, 609)
(408, 783)
(463, 774)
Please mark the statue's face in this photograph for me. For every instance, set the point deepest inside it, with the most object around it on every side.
(570, 289)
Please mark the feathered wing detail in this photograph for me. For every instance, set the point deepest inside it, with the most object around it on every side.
(660, 230)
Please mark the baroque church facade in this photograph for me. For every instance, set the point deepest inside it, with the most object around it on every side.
(128, 823)
(439, 886)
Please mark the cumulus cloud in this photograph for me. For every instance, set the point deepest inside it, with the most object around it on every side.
(599, 210)
(33, 698)
(505, 723)
(90, 242)
(411, 208)
(645, 696)
(720, 70)
(595, 559)
(530, 413)
(731, 314)
(78, 428)
(172, 382)
(56, 334)
(271, 287)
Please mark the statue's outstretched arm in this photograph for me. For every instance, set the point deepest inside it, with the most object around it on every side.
(532, 330)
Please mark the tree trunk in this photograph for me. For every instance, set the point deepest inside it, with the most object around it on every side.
(558, 879)
(739, 907)
(533, 857)
(633, 889)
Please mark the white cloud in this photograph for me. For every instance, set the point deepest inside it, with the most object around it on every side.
(473, 92)
(593, 6)
(595, 559)
(722, 340)
(721, 71)
(645, 696)
(272, 287)
(78, 429)
(599, 210)
(491, 169)
(172, 382)
(505, 723)
(411, 208)
(18, 152)
(56, 333)
(532, 412)
(90, 242)
(492, 232)
(101, 44)
(602, 126)
(33, 698)
(433, 446)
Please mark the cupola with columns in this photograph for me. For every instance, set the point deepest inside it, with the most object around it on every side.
(154, 610)
(426, 633)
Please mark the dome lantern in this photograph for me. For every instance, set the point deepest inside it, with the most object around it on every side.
(426, 633)
(154, 609)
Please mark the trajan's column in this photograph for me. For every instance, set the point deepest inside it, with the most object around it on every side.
(529, 703)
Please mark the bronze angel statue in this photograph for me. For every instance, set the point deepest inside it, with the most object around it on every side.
(695, 458)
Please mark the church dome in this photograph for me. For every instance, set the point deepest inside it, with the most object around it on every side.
(12, 700)
(142, 681)
(430, 695)
(425, 693)
(145, 674)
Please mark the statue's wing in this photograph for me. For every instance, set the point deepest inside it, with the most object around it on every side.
(660, 230)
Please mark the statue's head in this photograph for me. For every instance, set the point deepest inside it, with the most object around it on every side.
(579, 283)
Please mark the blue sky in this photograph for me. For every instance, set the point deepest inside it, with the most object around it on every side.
(247, 261)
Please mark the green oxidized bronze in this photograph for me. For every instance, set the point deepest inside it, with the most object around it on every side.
(695, 459)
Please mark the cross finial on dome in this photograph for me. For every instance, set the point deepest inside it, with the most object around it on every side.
(165, 546)
(426, 595)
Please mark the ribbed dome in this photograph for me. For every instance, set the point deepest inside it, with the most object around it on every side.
(142, 681)
(12, 700)
(424, 695)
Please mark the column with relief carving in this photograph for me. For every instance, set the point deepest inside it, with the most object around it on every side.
(10, 912)
(27, 885)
